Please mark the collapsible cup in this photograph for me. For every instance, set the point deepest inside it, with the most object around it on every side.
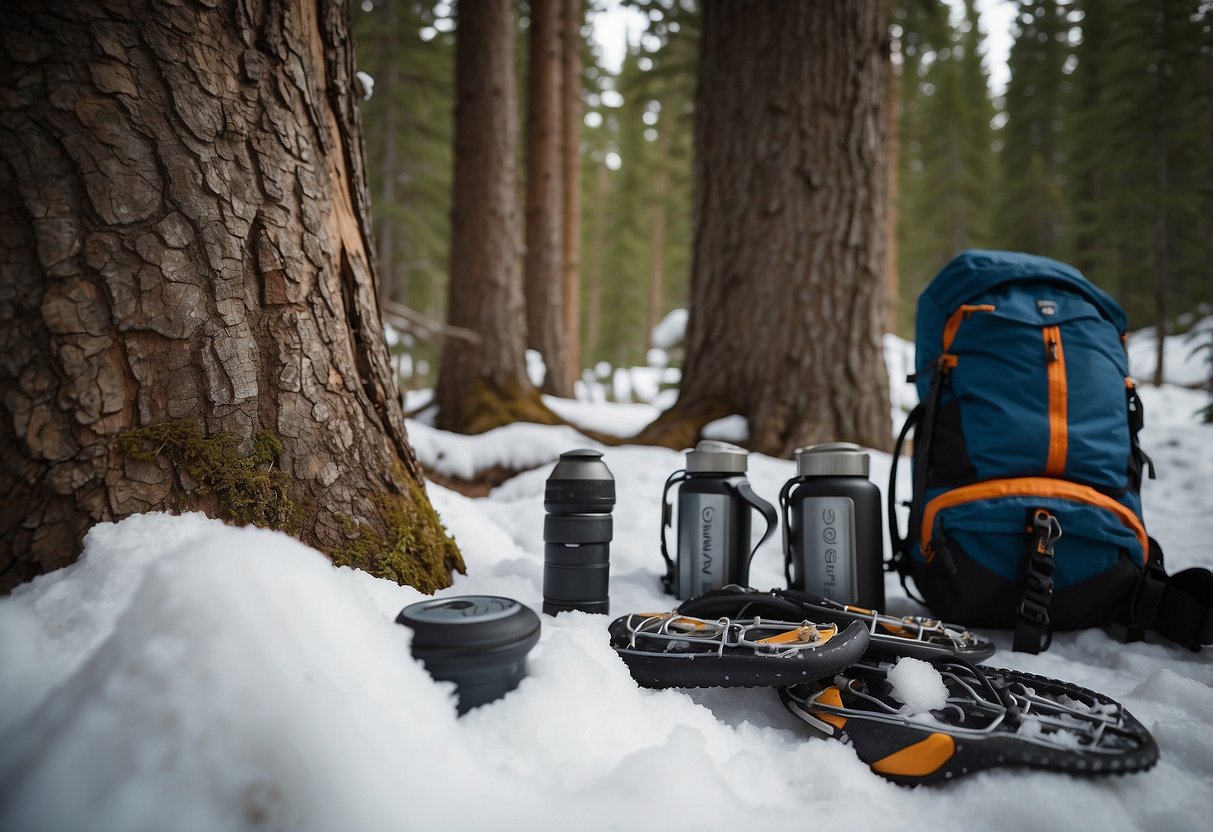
(479, 642)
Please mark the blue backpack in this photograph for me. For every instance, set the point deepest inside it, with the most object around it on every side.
(1027, 471)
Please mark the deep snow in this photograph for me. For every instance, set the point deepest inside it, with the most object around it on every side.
(188, 675)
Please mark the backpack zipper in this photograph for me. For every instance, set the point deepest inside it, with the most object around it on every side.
(1055, 364)
(1030, 487)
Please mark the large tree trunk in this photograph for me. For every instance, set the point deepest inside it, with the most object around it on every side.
(788, 283)
(188, 313)
(545, 319)
(388, 174)
(593, 304)
(574, 16)
(483, 385)
(893, 165)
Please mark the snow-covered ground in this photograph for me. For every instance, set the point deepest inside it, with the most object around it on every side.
(188, 675)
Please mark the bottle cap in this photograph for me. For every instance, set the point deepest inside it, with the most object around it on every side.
(833, 459)
(711, 456)
(580, 483)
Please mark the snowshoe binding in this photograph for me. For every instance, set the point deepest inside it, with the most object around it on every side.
(668, 650)
(992, 718)
(891, 636)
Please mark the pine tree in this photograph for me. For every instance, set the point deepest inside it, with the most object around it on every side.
(409, 137)
(949, 187)
(1152, 211)
(1031, 215)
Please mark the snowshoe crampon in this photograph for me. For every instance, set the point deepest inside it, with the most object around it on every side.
(993, 718)
(891, 636)
(671, 650)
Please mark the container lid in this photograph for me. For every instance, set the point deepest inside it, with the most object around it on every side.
(581, 464)
(833, 459)
(711, 456)
(469, 623)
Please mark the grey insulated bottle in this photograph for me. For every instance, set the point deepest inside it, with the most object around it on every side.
(579, 496)
(714, 505)
(832, 526)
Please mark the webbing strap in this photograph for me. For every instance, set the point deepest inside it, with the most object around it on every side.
(1033, 631)
(1178, 606)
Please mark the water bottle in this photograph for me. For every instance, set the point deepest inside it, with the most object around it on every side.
(832, 532)
(578, 498)
(714, 506)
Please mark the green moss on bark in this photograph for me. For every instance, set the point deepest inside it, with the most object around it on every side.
(491, 407)
(415, 549)
(247, 487)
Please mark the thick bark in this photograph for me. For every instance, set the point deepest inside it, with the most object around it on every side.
(545, 318)
(388, 276)
(788, 282)
(570, 114)
(484, 384)
(893, 163)
(185, 253)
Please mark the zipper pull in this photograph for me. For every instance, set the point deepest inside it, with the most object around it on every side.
(1052, 349)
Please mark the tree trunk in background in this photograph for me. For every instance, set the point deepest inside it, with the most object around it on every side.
(661, 181)
(188, 313)
(893, 154)
(1160, 260)
(546, 330)
(788, 283)
(388, 273)
(593, 301)
(574, 16)
(484, 385)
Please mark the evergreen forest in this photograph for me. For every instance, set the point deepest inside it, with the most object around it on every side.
(1099, 152)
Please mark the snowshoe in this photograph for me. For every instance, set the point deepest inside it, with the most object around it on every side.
(992, 718)
(670, 650)
(891, 637)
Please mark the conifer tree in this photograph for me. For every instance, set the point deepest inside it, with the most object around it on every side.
(1031, 215)
(1152, 209)
(949, 187)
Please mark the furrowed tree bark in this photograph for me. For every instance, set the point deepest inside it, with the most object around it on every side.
(570, 114)
(389, 279)
(188, 313)
(484, 385)
(545, 302)
(788, 282)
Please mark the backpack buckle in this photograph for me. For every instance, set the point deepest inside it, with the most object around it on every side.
(1033, 631)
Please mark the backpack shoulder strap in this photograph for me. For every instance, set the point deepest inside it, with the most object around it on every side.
(1178, 606)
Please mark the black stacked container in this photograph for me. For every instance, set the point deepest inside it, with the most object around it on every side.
(577, 534)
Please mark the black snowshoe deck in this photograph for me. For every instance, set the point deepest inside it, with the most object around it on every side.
(993, 718)
(664, 650)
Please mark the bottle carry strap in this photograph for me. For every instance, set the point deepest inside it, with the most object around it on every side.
(899, 545)
(785, 500)
(768, 513)
(669, 581)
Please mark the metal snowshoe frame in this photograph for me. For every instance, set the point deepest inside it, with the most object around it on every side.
(890, 635)
(1034, 721)
(779, 638)
(929, 631)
